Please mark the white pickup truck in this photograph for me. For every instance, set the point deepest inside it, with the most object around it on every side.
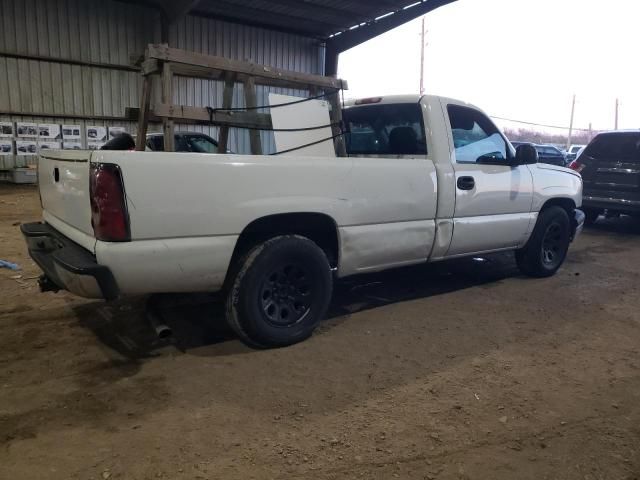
(427, 179)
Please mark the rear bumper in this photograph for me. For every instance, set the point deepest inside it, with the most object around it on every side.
(66, 265)
(613, 204)
(577, 223)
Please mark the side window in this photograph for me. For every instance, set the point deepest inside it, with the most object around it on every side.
(475, 138)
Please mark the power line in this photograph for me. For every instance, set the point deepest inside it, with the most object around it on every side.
(538, 124)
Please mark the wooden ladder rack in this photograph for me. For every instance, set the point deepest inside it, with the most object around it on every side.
(166, 62)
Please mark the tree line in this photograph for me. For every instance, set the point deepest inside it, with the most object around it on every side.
(527, 135)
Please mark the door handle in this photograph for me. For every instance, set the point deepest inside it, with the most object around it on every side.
(466, 183)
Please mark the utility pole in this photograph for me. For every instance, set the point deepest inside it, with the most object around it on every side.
(573, 109)
(422, 45)
(590, 132)
(617, 111)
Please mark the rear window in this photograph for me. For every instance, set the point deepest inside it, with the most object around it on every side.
(395, 129)
(621, 146)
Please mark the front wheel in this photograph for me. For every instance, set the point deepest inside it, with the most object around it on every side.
(546, 250)
(280, 293)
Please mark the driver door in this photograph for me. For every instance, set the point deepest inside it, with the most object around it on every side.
(493, 196)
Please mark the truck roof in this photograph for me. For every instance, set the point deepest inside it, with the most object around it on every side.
(408, 98)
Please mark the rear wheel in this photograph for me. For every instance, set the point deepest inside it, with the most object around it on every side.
(546, 250)
(280, 293)
(591, 215)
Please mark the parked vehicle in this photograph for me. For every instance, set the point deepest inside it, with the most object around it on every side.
(610, 169)
(427, 179)
(194, 142)
(551, 155)
(573, 151)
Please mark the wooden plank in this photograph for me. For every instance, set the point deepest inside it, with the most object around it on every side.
(167, 97)
(277, 76)
(336, 129)
(251, 101)
(143, 114)
(182, 114)
(150, 66)
(227, 102)
(183, 70)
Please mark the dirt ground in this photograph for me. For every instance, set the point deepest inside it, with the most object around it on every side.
(460, 370)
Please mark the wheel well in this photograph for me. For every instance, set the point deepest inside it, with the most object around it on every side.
(568, 204)
(318, 227)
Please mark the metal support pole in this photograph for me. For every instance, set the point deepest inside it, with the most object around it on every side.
(573, 109)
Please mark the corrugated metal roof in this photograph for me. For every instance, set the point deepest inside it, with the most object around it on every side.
(316, 18)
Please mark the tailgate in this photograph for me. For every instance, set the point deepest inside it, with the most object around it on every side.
(63, 179)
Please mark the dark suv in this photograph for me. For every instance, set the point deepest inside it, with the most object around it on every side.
(610, 168)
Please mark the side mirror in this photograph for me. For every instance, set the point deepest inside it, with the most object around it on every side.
(526, 155)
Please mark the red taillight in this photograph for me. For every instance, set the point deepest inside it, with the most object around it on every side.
(577, 166)
(109, 216)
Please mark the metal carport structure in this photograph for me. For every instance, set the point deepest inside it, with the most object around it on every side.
(338, 24)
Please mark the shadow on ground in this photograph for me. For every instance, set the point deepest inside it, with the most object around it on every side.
(622, 225)
(197, 320)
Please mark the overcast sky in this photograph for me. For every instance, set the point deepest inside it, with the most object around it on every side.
(520, 59)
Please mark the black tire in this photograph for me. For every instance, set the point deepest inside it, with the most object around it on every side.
(280, 293)
(546, 250)
(591, 215)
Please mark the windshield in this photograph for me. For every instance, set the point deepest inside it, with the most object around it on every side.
(394, 129)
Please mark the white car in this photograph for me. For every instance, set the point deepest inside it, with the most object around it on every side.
(574, 151)
(427, 179)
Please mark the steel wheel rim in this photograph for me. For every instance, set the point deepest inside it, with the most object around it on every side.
(286, 295)
(552, 245)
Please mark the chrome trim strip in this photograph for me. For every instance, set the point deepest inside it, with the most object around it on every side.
(612, 200)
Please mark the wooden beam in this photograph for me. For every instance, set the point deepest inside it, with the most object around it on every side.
(184, 70)
(143, 116)
(167, 97)
(150, 66)
(227, 102)
(275, 76)
(187, 114)
(336, 129)
(251, 101)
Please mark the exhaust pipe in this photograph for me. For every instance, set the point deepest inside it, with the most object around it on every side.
(47, 285)
(163, 331)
